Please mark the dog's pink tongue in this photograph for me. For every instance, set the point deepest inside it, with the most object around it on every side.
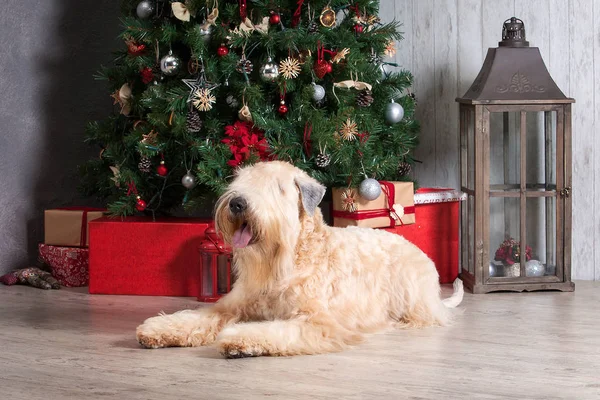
(242, 236)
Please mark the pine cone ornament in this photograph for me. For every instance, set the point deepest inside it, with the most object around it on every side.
(193, 121)
(364, 98)
(404, 168)
(145, 165)
(323, 160)
(313, 27)
(244, 66)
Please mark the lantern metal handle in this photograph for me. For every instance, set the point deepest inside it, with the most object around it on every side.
(565, 192)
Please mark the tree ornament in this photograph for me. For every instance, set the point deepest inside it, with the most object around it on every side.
(147, 75)
(134, 49)
(275, 18)
(116, 178)
(162, 169)
(140, 204)
(318, 92)
(170, 64)
(374, 58)
(122, 97)
(349, 130)
(203, 99)
(340, 55)
(313, 27)
(269, 70)
(232, 101)
(222, 51)
(394, 113)
(327, 17)
(150, 138)
(180, 11)
(322, 68)
(283, 109)
(323, 160)
(144, 9)
(364, 98)
(244, 114)
(188, 180)
(348, 197)
(205, 31)
(404, 168)
(244, 66)
(390, 49)
(369, 189)
(144, 164)
(193, 121)
(358, 29)
(289, 68)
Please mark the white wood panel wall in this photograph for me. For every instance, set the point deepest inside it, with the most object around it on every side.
(444, 46)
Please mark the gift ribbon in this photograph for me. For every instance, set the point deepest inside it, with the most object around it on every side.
(389, 190)
(85, 210)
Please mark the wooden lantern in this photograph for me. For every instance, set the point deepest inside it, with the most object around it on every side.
(215, 273)
(515, 163)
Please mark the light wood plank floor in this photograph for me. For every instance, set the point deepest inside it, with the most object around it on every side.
(67, 344)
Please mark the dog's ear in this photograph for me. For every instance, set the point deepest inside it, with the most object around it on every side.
(311, 193)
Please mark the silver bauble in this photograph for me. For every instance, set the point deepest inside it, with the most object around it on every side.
(144, 9)
(189, 181)
(394, 113)
(170, 64)
(318, 93)
(534, 268)
(269, 70)
(205, 31)
(369, 189)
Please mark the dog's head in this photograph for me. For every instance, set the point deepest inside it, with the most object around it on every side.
(264, 206)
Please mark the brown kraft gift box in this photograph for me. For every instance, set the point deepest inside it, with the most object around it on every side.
(395, 206)
(69, 226)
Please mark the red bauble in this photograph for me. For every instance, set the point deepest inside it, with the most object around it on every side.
(162, 169)
(283, 109)
(329, 68)
(140, 204)
(274, 19)
(147, 75)
(358, 28)
(322, 68)
(222, 51)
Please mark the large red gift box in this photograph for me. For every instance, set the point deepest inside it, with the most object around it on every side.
(69, 265)
(139, 256)
(436, 230)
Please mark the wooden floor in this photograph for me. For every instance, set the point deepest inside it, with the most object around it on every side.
(67, 344)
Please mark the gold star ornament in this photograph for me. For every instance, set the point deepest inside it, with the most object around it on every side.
(349, 130)
(203, 99)
(289, 68)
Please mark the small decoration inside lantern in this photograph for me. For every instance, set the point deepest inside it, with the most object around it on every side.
(215, 273)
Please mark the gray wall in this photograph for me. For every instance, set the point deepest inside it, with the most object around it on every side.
(50, 51)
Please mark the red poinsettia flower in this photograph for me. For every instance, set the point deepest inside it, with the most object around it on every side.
(238, 129)
(233, 143)
(253, 145)
(236, 161)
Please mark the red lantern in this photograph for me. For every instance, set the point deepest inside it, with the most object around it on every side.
(215, 267)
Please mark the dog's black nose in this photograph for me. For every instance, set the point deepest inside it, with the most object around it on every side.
(237, 205)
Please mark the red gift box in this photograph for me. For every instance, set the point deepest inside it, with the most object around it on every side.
(138, 256)
(69, 265)
(436, 230)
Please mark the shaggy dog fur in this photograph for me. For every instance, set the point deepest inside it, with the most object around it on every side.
(303, 287)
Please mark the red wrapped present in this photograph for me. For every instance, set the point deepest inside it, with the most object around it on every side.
(138, 256)
(69, 265)
(395, 206)
(436, 230)
(68, 226)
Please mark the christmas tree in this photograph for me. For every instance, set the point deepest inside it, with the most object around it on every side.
(203, 87)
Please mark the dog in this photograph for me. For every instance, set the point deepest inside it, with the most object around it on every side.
(303, 287)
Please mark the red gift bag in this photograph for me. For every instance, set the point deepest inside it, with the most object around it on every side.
(69, 265)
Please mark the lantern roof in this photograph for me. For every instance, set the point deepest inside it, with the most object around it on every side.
(514, 73)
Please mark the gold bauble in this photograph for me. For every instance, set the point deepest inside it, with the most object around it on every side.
(327, 17)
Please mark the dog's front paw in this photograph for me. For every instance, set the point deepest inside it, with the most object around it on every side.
(233, 345)
(155, 333)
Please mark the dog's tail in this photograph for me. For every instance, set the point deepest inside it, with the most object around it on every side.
(457, 296)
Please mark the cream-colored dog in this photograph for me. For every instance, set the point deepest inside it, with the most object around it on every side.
(303, 287)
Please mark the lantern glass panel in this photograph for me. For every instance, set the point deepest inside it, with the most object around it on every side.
(504, 225)
(471, 148)
(469, 238)
(505, 151)
(222, 273)
(541, 151)
(541, 236)
(207, 278)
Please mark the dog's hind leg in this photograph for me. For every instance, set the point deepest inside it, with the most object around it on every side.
(285, 338)
(187, 328)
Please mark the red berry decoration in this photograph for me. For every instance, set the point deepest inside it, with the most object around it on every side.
(147, 75)
(222, 51)
(140, 204)
(283, 109)
(358, 28)
(162, 169)
(274, 19)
